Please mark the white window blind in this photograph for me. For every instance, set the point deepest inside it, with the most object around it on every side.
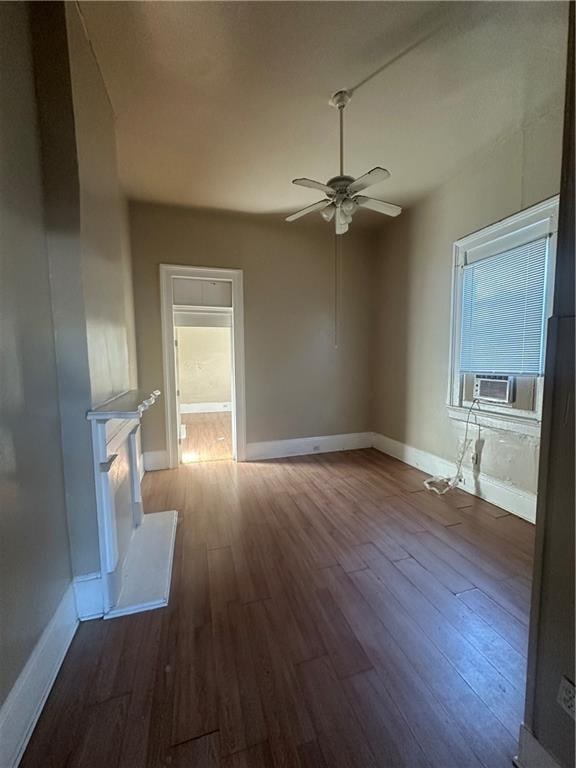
(504, 311)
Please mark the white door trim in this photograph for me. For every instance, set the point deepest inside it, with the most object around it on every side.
(235, 276)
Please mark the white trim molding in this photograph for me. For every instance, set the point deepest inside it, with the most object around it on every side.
(155, 460)
(88, 596)
(301, 446)
(531, 754)
(24, 703)
(520, 503)
(168, 273)
(205, 407)
(509, 422)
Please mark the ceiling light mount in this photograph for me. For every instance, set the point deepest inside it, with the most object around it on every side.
(340, 99)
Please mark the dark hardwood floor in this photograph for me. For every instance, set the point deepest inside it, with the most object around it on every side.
(325, 611)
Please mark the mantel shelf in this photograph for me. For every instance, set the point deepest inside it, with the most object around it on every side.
(130, 405)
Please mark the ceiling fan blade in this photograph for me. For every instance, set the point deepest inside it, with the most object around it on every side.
(314, 185)
(375, 176)
(309, 209)
(378, 205)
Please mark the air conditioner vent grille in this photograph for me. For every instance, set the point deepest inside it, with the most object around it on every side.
(495, 389)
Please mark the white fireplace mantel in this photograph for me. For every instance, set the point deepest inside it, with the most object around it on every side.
(135, 549)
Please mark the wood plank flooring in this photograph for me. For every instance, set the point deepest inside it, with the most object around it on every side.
(208, 437)
(325, 612)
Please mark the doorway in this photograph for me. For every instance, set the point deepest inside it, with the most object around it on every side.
(203, 360)
(203, 348)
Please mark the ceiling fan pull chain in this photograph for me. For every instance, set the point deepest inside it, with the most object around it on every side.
(337, 288)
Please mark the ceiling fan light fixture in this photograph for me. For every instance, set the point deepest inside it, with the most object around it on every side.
(328, 213)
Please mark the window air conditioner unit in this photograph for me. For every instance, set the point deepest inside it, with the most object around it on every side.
(494, 389)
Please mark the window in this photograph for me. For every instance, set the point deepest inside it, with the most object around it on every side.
(502, 298)
(503, 319)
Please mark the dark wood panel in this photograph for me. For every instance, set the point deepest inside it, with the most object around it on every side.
(324, 611)
(512, 630)
(508, 661)
(287, 720)
(449, 670)
(100, 741)
(311, 756)
(386, 729)
(195, 710)
(501, 697)
(203, 752)
(434, 728)
(339, 732)
(345, 652)
(146, 651)
(258, 756)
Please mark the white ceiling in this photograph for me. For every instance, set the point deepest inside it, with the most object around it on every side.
(221, 104)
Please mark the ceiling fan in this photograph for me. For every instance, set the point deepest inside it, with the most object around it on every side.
(342, 198)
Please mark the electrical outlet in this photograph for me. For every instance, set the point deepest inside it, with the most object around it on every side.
(566, 696)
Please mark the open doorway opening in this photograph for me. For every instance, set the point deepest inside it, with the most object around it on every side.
(203, 350)
(204, 383)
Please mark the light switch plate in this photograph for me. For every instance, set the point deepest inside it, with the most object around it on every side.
(566, 696)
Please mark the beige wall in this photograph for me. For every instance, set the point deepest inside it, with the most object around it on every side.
(65, 322)
(204, 365)
(34, 559)
(92, 287)
(62, 221)
(413, 295)
(87, 242)
(297, 383)
(103, 221)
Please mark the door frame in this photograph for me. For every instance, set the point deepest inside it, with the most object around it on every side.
(234, 276)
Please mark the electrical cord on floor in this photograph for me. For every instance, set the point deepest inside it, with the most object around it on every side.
(442, 485)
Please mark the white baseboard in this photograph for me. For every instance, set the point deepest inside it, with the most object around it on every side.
(205, 407)
(531, 754)
(88, 595)
(276, 449)
(24, 703)
(154, 460)
(302, 446)
(520, 503)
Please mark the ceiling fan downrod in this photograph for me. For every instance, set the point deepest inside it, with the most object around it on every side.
(339, 100)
